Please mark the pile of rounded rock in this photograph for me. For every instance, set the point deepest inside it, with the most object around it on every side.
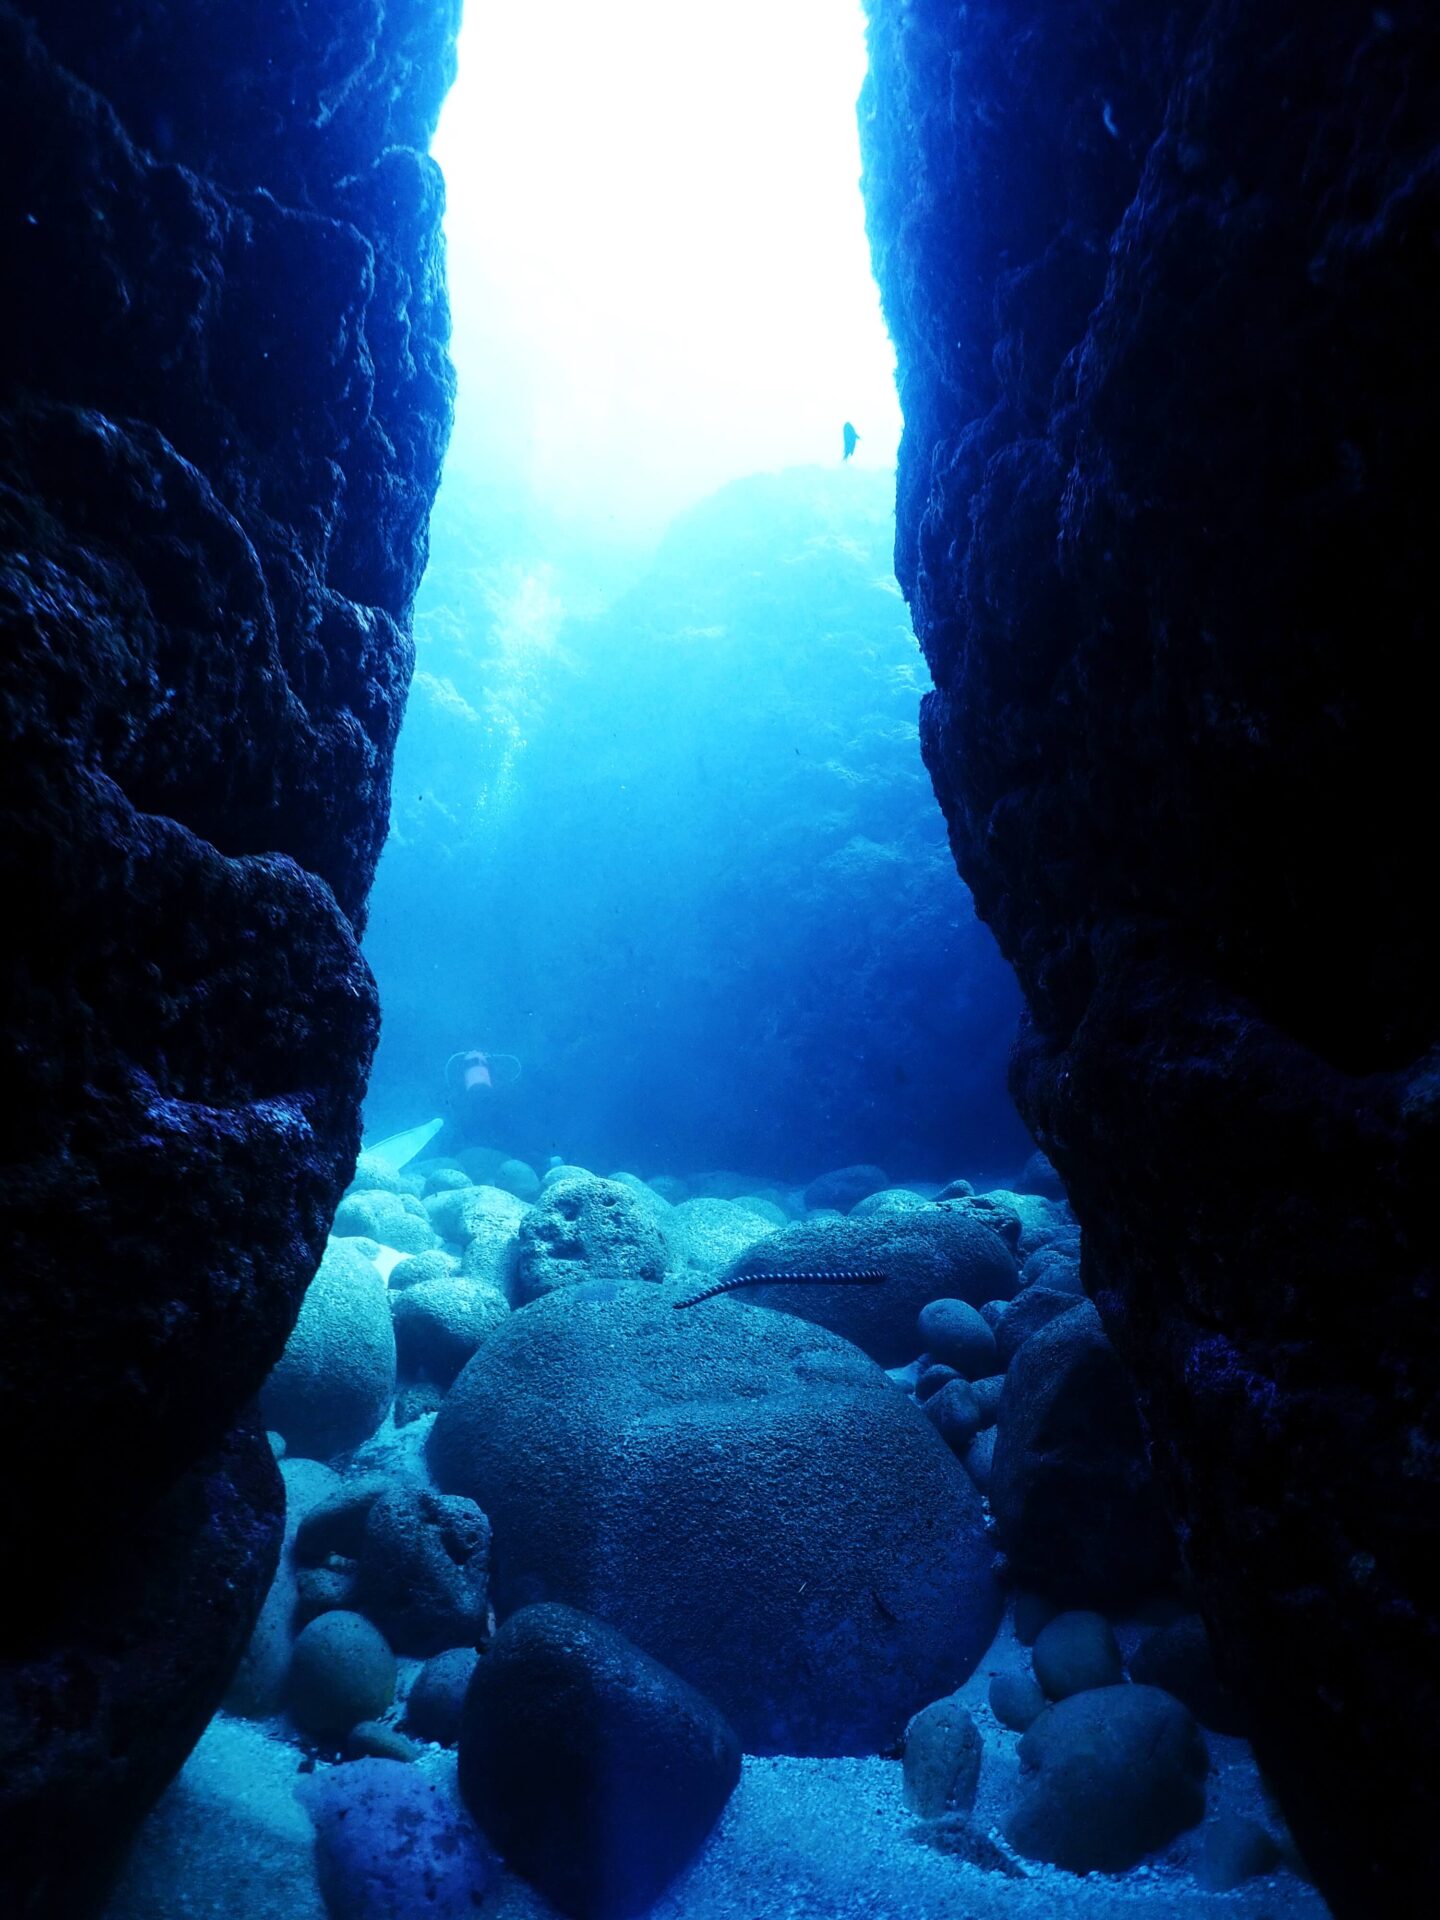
(503, 1403)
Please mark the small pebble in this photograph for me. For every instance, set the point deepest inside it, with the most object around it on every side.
(438, 1695)
(979, 1459)
(373, 1740)
(943, 1750)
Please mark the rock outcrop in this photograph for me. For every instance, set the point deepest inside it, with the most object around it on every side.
(224, 396)
(1162, 296)
(1161, 285)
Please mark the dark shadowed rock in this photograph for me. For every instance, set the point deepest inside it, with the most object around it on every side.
(1074, 1499)
(1180, 1659)
(596, 1772)
(1235, 1849)
(1075, 1651)
(342, 1671)
(437, 1695)
(259, 1680)
(222, 411)
(1027, 1313)
(955, 1414)
(424, 1565)
(719, 1484)
(1161, 284)
(150, 1644)
(1016, 1700)
(1110, 1775)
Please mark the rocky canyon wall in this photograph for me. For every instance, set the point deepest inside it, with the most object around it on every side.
(1162, 285)
(224, 397)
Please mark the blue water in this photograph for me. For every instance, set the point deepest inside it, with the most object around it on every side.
(671, 845)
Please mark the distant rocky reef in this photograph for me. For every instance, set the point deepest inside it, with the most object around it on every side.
(1161, 282)
(224, 398)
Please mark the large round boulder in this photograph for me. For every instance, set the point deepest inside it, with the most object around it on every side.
(1108, 1776)
(704, 1234)
(720, 1484)
(333, 1384)
(585, 1228)
(596, 1772)
(935, 1253)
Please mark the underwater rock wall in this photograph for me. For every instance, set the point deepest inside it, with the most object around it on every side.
(1161, 285)
(224, 397)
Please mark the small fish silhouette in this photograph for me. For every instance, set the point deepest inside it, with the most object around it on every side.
(851, 439)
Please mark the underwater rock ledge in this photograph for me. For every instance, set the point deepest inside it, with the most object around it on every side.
(1160, 285)
(224, 399)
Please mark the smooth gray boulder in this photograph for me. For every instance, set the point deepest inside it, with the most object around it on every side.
(333, 1384)
(720, 1483)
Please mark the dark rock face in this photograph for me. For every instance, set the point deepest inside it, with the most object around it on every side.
(1160, 280)
(224, 395)
(1073, 1496)
(596, 1771)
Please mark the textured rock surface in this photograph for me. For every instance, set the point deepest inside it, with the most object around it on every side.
(146, 1642)
(222, 411)
(720, 1484)
(1161, 284)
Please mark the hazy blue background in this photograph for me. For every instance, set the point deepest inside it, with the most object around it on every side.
(660, 826)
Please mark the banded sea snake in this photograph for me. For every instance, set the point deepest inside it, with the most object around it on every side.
(867, 1276)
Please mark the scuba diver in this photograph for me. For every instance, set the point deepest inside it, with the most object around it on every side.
(852, 440)
(473, 1080)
